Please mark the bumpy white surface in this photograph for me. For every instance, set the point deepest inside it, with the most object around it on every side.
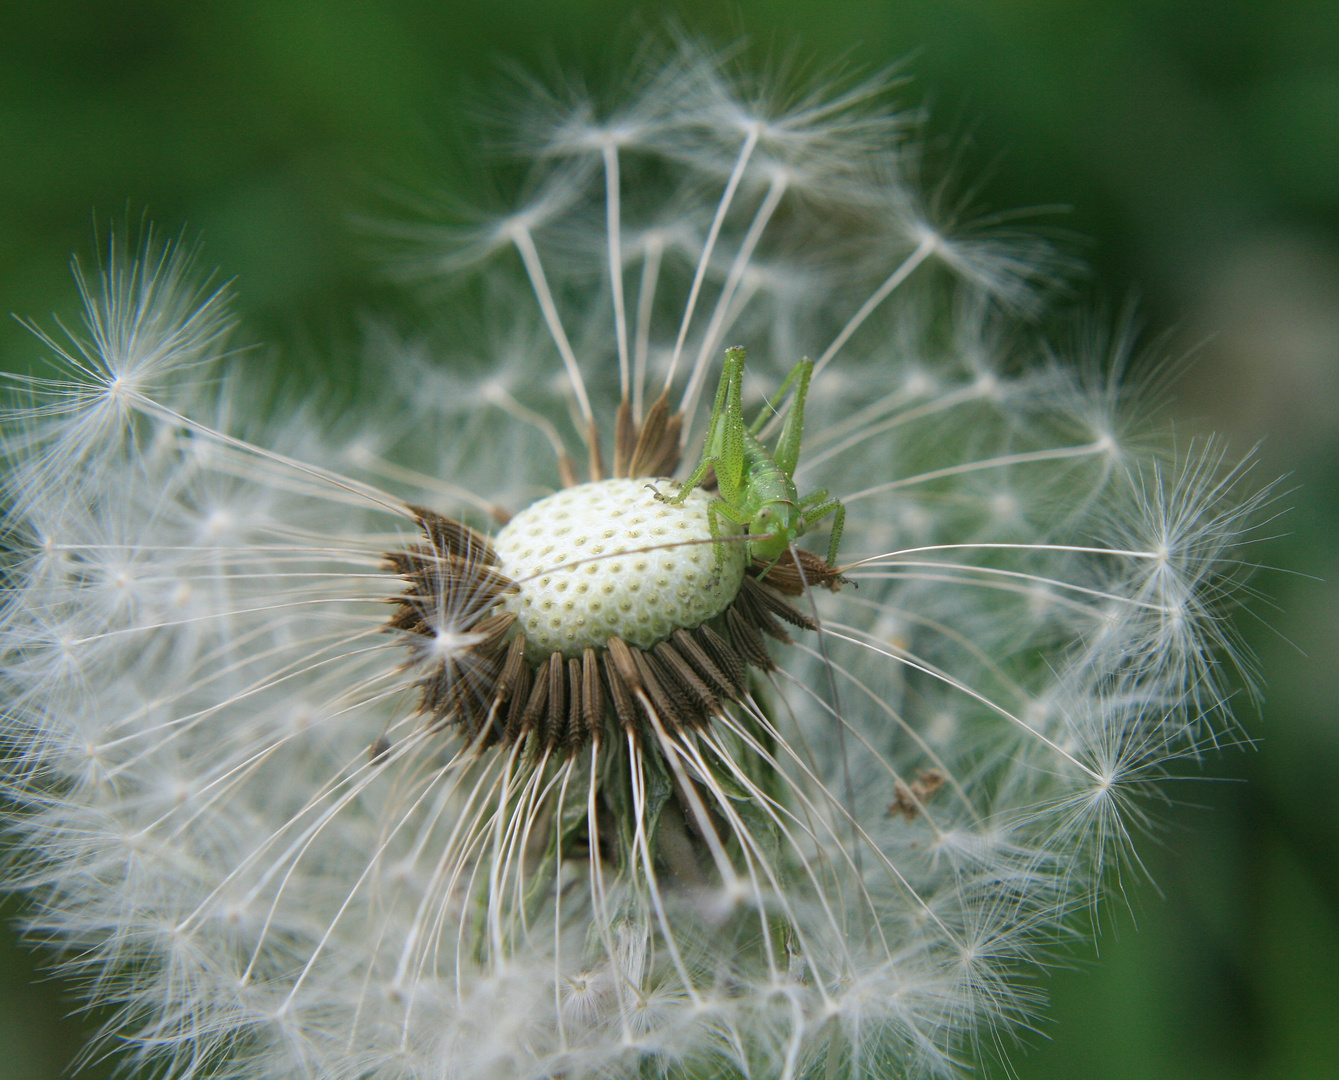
(610, 558)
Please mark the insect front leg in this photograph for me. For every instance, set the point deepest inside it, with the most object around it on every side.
(812, 514)
(717, 509)
(686, 488)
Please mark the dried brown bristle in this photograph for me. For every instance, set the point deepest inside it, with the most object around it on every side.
(656, 451)
(625, 438)
(786, 577)
(473, 673)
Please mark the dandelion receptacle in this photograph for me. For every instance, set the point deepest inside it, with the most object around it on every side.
(483, 731)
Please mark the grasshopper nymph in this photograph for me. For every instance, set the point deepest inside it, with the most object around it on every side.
(756, 487)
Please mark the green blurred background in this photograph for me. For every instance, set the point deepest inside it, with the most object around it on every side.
(1198, 143)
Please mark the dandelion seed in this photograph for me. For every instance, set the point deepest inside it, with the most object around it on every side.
(450, 747)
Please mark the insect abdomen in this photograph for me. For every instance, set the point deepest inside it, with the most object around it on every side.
(767, 482)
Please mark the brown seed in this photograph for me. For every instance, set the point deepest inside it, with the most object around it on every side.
(730, 663)
(678, 668)
(657, 451)
(748, 606)
(769, 599)
(711, 675)
(652, 692)
(592, 697)
(625, 438)
(747, 641)
(451, 537)
(535, 706)
(619, 691)
(813, 571)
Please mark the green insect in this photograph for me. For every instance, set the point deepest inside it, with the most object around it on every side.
(756, 486)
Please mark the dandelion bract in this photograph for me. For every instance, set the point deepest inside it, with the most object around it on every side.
(432, 737)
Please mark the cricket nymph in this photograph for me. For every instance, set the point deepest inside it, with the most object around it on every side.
(605, 598)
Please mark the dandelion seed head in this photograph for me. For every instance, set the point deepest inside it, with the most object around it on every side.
(438, 739)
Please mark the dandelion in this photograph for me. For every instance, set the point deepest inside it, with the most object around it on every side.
(443, 738)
